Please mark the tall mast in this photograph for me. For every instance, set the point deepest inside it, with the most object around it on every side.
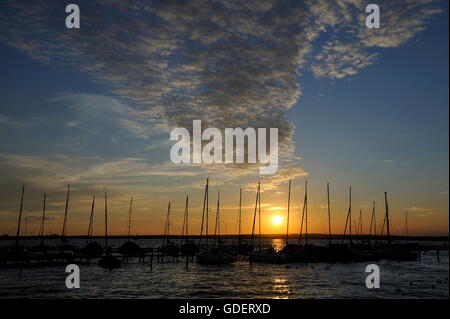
(167, 227)
(187, 217)
(329, 213)
(387, 218)
(129, 218)
(301, 224)
(254, 215)
(259, 217)
(350, 214)
(203, 211)
(106, 224)
(207, 211)
(91, 220)
(20, 217)
(288, 211)
(240, 218)
(184, 229)
(63, 233)
(43, 219)
(306, 212)
(348, 221)
(217, 226)
(373, 222)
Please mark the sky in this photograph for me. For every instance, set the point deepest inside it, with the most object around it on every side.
(93, 107)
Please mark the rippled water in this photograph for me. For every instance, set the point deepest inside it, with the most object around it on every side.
(424, 279)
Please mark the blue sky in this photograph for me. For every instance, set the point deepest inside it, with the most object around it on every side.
(84, 110)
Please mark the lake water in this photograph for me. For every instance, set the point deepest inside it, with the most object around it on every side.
(424, 279)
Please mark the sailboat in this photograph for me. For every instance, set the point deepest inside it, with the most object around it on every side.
(404, 252)
(41, 247)
(17, 247)
(108, 261)
(93, 248)
(218, 254)
(130, 248)
(305, 252)
(16, 252)
(296, 252)
(41, 250)
(336, 252)
(350, 252)
(65, 248)
(243, 248)
(205, 216)
(266, 254)
(168, 247)
(187, 246)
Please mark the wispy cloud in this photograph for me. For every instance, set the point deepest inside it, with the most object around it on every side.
(422, 211)
(387, 162)
(400, 21)
(6, 121)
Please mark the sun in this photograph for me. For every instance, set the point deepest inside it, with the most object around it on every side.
(277, 220)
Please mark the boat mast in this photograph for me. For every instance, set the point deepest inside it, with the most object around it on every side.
(187, 217)
(254, 215)
(167, 226)
(329, 213)
(43, 220)
(106, 224)
(91, 220)
(303, 217)
(129, 218)
(306, 212)
(217, 226)
(207, 212)
(373, 222)
(20, 217)
(240, 218)
(203, 211)
(184, 229)
(387, 218)
(350, 214)
(288, 211)
(63, 233)
(259, 217)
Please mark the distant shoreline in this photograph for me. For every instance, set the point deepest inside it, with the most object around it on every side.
(244, 236)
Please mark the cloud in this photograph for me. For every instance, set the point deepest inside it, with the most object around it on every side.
(422, 212)
(339, 60)
(6, 121)
(400, 22)
(96, 114)
(228, 63)
(387, 162)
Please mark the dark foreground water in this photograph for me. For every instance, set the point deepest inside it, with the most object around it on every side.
(424, 279)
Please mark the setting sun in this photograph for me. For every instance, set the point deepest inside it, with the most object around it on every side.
(277, 220)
